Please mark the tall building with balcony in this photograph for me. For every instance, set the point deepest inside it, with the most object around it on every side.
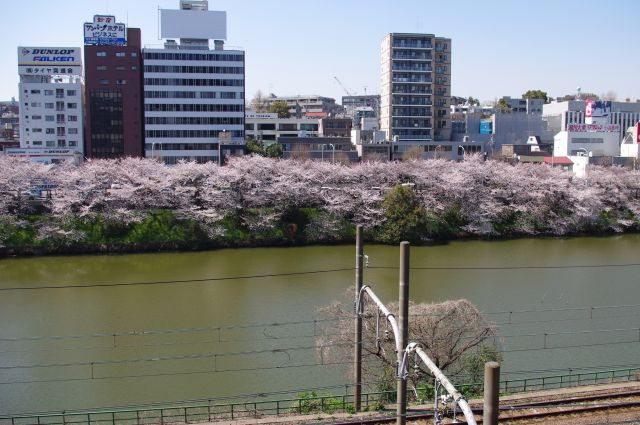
(193, 94)
(415, 87)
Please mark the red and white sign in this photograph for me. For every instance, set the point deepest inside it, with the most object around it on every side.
(589, 109)
(593, 128)
(638, 132)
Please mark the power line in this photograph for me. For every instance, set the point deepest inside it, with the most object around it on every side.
(260, 276)
(286, 350)
(153, 375)
(165, 282)
(527, 267)
(315, 323)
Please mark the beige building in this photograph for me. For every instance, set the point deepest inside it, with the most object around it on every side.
(415, 87)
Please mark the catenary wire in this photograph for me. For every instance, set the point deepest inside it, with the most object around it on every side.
(209, 355)
(260, 276)
(148, 332)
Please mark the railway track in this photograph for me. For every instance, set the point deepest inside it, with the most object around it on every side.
(537, 411)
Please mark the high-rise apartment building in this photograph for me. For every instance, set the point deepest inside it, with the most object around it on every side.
(415, 87)
(193, 94)
(51, 99)
(113, 90)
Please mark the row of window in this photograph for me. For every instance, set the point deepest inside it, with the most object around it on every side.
(194, 121)
(181, 146)
(70, 105)
(161, 107)
(58, 92)
(103, 54)
(217, 82)
(106, 81)
(282, 127)
(59, 131)
(53, 144)
(190, 133)
(195, 69)
(155, 94)
(51, 118)
(118, 68)
(194, 56)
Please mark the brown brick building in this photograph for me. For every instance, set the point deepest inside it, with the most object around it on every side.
(114, 123)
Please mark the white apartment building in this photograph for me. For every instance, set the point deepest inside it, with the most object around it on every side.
(415, 87)
(51, 101)
(193, 94)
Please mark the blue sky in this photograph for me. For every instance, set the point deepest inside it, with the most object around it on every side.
(500, 47)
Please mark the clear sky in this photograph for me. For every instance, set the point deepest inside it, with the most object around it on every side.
(500, 47)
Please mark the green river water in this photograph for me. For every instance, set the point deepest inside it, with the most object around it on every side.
(58, 350)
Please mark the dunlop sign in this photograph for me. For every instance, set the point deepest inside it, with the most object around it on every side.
(46, 59)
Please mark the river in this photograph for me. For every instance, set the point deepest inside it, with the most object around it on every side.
(142, 328)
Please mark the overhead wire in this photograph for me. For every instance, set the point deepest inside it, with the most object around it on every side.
(300, 273)
(209, 355)
(315, 322)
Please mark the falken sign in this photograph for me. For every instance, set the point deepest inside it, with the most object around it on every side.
(49, 60)
(105, 31)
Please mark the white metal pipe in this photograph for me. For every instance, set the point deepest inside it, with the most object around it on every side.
(390, 317)
(440, 377)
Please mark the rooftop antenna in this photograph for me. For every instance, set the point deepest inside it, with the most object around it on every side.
(578, 96)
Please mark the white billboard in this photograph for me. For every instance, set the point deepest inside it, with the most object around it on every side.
(49, 60)
(193, 24)
(105, 31)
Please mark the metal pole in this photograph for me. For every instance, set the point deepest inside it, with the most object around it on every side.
(491, 395)
(401, 418)
(358, 346)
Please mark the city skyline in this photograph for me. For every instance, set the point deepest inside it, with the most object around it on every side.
(500, 49)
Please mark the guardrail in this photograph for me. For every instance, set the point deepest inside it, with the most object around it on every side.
(304, 403)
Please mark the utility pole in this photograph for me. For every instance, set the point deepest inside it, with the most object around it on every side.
(491, 393)
(357, 358)
(404, 330)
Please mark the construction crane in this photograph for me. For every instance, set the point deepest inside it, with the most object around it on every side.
(343, 87)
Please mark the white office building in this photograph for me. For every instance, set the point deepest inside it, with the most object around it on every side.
(267, 127)
(51, 93)
(193, 94)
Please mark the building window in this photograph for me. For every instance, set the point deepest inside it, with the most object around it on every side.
(73, 131)
(134, 54)
(36, 104)
(36, 130)
(71, 92)
(49, 118)
(104, 81)
(72, 105)
(134, 68)
(72, 118)
(61, 143)
(48, 92)
(51, 143)
(101, 68)
(37, 143)
(36, 117)
(121, 68)
(120, 54)
(51, 131)
(121, 82)
(35, 91)
(101, 54)
(72, 143)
